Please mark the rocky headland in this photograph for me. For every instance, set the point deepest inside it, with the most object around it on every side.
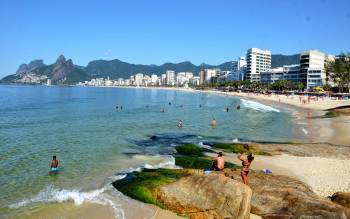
(194, 193)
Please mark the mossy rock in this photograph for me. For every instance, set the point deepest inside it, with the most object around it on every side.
(198, 162)
(238, 148)
(141, 185)
(330, 114)
(189, 149)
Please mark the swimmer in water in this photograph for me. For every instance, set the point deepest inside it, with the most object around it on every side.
(180, 124)
(169, 103)
(213, 123)
(200, 105)
(54, 165)
(116, 107)
(238, 107)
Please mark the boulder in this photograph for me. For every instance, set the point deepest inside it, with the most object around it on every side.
(276, 196)
(341, 198)
(207, 196)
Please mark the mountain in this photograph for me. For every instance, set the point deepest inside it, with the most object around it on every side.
(119, 69)
(31, 66)
(65, 72)
(61, 72)
(278, 60)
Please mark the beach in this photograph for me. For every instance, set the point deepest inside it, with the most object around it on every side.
(115, 143)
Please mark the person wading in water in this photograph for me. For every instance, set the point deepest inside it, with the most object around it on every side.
(245, 167)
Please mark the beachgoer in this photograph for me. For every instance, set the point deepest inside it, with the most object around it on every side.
(180, 124)
(245, 167)
(116, 107)
(169, 103)
(54, 165)
(200, 105)
(218, 163)
(238, 107)
(213, 123)
(227, 109)
(121, 107)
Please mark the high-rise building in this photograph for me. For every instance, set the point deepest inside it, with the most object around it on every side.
(154, 79)
(170, 77)
(163, 79)
(138, 79)
(257, 61)
(238, 70)
(312, 68)
(287, 72)
(206, 75)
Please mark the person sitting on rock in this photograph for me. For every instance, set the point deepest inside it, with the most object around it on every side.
(218, 163)
(245, 167)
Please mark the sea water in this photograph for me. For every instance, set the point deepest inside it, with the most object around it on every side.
(96, 143)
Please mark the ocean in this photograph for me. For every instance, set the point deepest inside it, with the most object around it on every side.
(97, 143)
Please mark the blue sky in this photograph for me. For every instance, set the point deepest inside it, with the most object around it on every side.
(158, 31)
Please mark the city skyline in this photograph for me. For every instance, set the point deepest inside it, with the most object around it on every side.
(196, 31)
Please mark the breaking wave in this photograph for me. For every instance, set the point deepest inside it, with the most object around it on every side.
(258, 106)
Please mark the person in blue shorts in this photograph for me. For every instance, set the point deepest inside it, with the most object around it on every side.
(54, 165)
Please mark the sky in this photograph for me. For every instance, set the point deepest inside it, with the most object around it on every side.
(159, 31)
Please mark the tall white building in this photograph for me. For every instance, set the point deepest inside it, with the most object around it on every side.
(238, 70)
(138, 79)
(154, 79)
(312, 68)
(163, 79)
(170, 77)
(257, 61)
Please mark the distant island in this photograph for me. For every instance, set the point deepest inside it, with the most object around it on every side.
(64, 72)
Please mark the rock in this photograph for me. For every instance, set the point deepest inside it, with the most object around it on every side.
(276, 196)
(22, 69)
(61, 68)
(212, 196)
(35, 64)
(341, 198)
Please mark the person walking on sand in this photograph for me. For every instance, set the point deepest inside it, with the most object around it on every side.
(218, 163)
(245, 167)
(213, 123)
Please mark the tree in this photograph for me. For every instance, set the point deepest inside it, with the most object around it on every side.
(338, 71)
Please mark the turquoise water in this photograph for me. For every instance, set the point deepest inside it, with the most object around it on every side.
(94, 141)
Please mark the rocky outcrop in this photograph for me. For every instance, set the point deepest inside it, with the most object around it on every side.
(62, 68)
(212, 196)
(24, 68)
(283, 196)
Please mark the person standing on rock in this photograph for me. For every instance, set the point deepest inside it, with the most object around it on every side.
(245, 167)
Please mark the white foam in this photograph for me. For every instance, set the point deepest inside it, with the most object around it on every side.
(168, 163)
(52, 194)
(235, 140)
(305, 131)
(258, 106)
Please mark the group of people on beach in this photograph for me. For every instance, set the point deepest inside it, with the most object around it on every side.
(218, 164)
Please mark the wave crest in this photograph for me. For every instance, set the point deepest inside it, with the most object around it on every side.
(258, 106)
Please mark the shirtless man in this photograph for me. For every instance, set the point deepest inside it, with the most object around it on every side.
(213, 123)
(218, 163)
(245, 167)
(54, 165)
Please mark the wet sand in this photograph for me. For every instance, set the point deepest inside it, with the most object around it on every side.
(96, 211)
